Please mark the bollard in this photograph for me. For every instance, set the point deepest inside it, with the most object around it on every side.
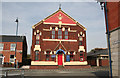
(6, 73)
(22, 73)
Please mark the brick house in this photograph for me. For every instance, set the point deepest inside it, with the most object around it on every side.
(98, 57)
(58, 40)
(113, 17)
(7, 49)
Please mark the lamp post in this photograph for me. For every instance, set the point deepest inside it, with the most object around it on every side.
(104, 5)
(16, 42)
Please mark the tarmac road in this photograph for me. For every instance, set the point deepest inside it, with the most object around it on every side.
(64, 73)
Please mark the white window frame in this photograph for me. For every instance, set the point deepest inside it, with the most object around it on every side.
(1, 46)
(12, 60)
(12, 48)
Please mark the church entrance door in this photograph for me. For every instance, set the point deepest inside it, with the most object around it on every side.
(60, 61)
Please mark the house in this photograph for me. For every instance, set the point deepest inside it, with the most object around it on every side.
(58, 40)
(7, 49)
(98, 57)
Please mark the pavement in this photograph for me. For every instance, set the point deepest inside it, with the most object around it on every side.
(93, 72)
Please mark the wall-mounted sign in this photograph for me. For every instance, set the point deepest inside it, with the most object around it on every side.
(53, 56)
(67, 58)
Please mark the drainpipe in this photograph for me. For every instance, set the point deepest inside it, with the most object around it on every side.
(108, 38)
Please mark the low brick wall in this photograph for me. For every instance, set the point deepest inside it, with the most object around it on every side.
(104, 62)
(43, 67)
(77, 67)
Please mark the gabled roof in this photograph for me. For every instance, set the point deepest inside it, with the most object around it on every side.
(59, 16)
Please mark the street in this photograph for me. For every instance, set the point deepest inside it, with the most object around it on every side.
(80, 73)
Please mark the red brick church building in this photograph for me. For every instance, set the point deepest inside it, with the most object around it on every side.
(58, 40)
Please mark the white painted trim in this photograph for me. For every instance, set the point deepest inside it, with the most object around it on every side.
(76, 63)
(72, 31)
(59, 40)
(63, 59)
(37, 31)
(103, 55)
(46, 30)
(43, 63)
(37, 47)
(57, 58)
(59, 23)
(2, 59)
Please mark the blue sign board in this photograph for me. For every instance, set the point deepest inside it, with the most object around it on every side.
(67, 58)
(53, 56)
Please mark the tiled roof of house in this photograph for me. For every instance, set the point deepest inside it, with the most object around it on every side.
(11, 38)
(98, 51)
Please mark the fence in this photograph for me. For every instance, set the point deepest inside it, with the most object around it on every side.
(7, 72)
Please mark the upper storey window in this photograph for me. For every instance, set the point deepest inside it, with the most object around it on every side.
(12, 47)
(66, 33)
(53, 33)
(37, 38)
(59, 33)
(36, 54)
(1, 46)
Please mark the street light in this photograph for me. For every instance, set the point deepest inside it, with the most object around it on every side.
(104, 5)
(16, 42)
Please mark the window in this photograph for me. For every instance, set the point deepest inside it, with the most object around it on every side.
(1, 55)
(37, 38)
(12, 58)
(37, 41)
(80, 43)
(81, 56)
(1, 46)
(66, 33)
(36, 55)
(81, 51)
(59, 33)
(53, 33)
(80, 39)
(71, 56)
(47, 56)
(12, 47)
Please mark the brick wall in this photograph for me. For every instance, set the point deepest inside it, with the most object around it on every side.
(113, 15)
(69, 46)
(92, 62)
(103, 62)
(6, 51)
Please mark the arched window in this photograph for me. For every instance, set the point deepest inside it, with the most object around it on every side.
(60, 33)
(66, 33)
(36, 55)
(47, 56)
(71, 56)
(81, 56)
(53, 33)
(37, 38)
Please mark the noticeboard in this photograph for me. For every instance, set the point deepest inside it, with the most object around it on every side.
(67, 58)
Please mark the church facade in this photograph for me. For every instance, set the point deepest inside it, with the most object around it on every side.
(58, 40)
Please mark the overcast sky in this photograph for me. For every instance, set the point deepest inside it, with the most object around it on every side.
(89, 14)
